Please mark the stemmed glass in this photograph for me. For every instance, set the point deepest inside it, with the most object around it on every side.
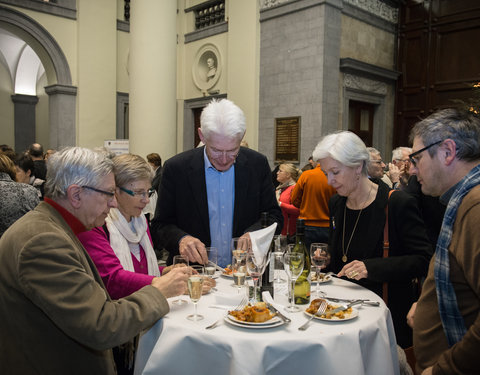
(210, 267)
(318, 256)
(179, 259)
(195, 286)
(255, 267)
(239, 270)
(293, 264)
(280, 244)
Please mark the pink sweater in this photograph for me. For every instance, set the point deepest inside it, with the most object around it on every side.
(119, 282)
(289, 211)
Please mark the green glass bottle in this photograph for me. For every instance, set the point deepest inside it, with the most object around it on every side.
(302, 285)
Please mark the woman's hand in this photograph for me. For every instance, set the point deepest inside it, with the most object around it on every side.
(208, 284)
(354, 270)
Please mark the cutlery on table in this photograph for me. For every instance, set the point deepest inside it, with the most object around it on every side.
(278, 313)
(364, 301)
(343, 308)
(320, 311)
(240, 306)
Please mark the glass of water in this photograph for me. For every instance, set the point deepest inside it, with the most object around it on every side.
(210, 267)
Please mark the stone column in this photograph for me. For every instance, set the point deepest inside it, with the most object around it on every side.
(152, 67)
(61, 107)
(24, 120)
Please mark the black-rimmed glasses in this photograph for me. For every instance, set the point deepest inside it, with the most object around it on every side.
(109, 194)
(143, 194)
(413, 156)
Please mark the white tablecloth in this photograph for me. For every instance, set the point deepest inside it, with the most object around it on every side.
(364, 345)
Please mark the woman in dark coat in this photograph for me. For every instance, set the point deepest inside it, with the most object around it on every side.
(357, 221)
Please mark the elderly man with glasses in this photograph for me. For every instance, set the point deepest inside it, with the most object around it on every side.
(398, 169)
(446, 319)
(56, 316)
(214, 192)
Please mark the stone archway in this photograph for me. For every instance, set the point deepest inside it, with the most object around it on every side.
(61, 92)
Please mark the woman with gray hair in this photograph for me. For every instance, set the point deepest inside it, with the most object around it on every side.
(357, 221)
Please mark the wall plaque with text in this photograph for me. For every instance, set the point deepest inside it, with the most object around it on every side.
(287, 139)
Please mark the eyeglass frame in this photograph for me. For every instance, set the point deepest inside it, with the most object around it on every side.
(143, 194)
(413, 155)
(219, 153)
(109, 194)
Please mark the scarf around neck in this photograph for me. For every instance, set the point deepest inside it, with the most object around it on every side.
(121, 235)
(452, 320)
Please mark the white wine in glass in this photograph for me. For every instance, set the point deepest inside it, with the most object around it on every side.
(293, 263)
(195, 286)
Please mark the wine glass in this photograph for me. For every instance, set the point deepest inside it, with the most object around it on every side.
(280, 245)
(239, 270)
(293, 263)
(195, 287)
(318, 256)
(255, 267)
(179, 259)
(210, 267)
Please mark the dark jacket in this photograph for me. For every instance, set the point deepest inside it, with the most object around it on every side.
(182, 206)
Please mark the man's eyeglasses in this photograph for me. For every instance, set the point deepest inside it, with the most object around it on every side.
(218, 154)
(143, 194)
(414, 156)
(377, 161)
(110, 195)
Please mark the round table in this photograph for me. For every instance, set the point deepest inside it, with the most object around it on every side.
(364, 345)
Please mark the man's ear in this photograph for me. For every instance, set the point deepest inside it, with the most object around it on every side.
(200, 135)
(449, 149)
(74, 195)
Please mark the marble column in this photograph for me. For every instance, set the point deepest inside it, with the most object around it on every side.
(152, 69)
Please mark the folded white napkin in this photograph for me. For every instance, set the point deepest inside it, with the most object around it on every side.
(261, 240)
(228, 299)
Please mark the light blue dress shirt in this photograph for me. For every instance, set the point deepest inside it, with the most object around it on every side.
(221, 200)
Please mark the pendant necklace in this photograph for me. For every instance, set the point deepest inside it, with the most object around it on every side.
(345, 251)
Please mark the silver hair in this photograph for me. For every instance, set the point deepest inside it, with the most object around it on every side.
(397, 154)
(75, 166)
(345, 147)
(130, 168)
(223, 117)
(460, 126)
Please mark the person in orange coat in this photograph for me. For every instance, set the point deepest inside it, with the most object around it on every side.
(311, 195)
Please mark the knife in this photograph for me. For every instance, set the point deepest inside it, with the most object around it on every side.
(279, 314)
(364, 301)
(343, 308)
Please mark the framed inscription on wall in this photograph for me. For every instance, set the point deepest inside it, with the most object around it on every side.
(287, 139)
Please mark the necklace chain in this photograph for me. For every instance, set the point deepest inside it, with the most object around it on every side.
(345, 252)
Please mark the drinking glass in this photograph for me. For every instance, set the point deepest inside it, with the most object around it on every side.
(318, 256)
(179, 259)
(239, 270)
(293, 263)
(241, 244)
(255, 267)
(195, 286)
(210, 267)
(280, 245)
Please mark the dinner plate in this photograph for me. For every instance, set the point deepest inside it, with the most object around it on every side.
(230, 276)
(274, 322)
(326, 278)
(350, 316)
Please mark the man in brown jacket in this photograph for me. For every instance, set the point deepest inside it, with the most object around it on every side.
(55, 314)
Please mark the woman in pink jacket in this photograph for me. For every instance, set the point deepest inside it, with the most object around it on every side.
(287, 176)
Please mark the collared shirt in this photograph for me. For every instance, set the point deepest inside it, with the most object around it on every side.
(75, 224)
(445, 197)
(221, 200)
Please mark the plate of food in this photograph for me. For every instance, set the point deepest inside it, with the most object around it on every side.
(339, 316)
(256, 316)
(322, 277)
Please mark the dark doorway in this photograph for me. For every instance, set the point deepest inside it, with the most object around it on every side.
(360, 120)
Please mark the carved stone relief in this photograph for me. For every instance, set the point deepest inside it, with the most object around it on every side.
(207, 68)
(364, 84)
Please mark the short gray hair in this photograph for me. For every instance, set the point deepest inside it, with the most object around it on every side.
(461, 126)
(223, 117)
(397, 154)
(128, 168)
(75, 166)
(345, 147)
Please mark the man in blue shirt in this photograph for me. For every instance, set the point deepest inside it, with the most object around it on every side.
(213, 193)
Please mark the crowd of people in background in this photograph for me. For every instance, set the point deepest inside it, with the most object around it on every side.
(111, 214)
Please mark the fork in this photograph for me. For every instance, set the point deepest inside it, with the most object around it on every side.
(240, 306)
(320, 311)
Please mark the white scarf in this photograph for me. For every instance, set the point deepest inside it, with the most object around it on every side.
(122, 236)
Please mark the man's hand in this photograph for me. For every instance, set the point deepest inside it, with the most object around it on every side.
(193, 249)
(393, 173)
(411, 315)
(174, 283)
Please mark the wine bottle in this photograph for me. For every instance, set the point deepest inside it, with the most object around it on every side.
(302, 285)
(267, 283)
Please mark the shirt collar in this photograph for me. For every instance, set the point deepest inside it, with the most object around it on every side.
(75, 224)
(445, 197)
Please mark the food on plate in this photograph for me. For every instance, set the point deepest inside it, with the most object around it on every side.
(314, 305)
(228, 270)
(257, 313)
(321, 277)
